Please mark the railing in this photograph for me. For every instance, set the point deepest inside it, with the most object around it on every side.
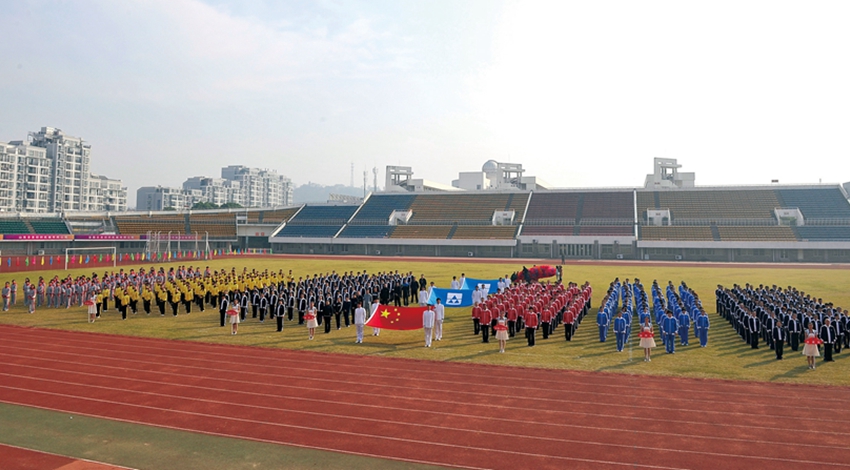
(545, 222)
(606, 222)
(828, 222)
(718, 221)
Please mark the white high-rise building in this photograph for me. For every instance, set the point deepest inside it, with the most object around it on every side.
(215, 190)
(50, 173)
(159, 198)
(260, 187)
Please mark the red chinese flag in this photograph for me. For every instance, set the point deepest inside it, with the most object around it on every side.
(396, 318)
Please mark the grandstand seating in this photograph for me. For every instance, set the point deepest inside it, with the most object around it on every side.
(142, 224)
(367, 231)
(484, 232)
(714, 204)
(308, 231)
(547, 230)
(608, 205)
(272, 217)
(48, 226)
(552, 206)
(422, 231)
(607, 230)
(216, 224)
(700, 233)
(465, 207)
(379, 208)
(324, 215)
(13, 226)
(317, 221)
(820, 233)
(816, 203)
(756, 233)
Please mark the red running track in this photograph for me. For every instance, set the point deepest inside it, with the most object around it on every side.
(451, 414)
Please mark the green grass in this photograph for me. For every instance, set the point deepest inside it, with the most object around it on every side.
(727, 357)
(149, 447)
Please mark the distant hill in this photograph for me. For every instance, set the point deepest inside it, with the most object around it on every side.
(312, 192)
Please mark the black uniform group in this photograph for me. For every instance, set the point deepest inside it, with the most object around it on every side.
(334, 296)
(780, 316)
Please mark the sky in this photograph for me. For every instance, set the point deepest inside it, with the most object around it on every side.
(582, 94)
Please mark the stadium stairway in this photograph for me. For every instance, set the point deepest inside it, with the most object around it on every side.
(715, 232)
(579, 210)
(454, 228)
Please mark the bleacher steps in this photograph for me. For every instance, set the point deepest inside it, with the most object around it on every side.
(452, 231)
(715, 232)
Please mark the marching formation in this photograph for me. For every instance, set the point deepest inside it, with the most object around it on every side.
(501, 309)
(674, 313)
(529, 306)
(778, 316)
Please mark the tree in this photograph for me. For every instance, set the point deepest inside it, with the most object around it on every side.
(169, 208)
(231, 205)
(204, 205)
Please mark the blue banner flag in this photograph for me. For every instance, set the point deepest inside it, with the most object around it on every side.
(451, 297)
(489, 286)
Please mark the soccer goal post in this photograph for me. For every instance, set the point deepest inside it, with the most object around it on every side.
(93, 251)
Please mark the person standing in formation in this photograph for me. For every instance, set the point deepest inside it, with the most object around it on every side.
(359, 321)
(810, 346)
(428, 324)
(223, 307)
(484, 321)
(827, 335)
(7, 291)
(778, 335)
(620, 331)
(439, 316)
(531, 322)
(702, 325)
(602, 323)
(310, 317)
(279, 313)
(669, 326)
(502, 332)
(795, 329)
(647, 340)
(423, 297)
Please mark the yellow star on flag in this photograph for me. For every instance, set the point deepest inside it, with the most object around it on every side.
(385, 313)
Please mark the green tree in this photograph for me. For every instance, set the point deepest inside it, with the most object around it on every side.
(204, 205)
(231, 205)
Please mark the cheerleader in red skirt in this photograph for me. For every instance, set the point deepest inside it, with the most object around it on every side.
(810, 348)
(647, 340)
(501, 332)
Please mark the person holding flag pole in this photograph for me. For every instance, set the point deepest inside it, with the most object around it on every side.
(439, 316)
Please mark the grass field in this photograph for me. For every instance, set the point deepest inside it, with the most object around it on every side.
(727, 357)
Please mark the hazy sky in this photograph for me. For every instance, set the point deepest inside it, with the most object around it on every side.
(581, 93)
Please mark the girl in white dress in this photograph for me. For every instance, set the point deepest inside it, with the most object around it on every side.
(92, 308)
(311, 318)
(501, 332)
(810, 348)
(647, 342)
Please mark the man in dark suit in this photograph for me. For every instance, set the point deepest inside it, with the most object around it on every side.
(778, 335)
(753, 328)
(828, 336)
(795, 328)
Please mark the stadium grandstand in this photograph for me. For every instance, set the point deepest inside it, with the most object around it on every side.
(668, 219)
